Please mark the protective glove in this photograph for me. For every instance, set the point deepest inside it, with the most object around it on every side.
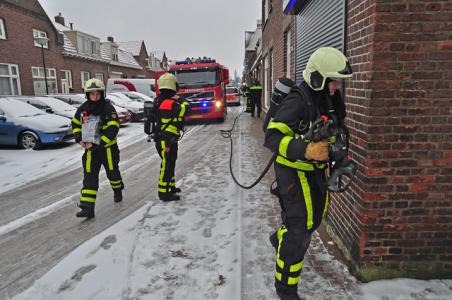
(317, 151)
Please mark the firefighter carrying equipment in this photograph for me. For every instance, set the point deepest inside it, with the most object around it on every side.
(326, 63)
(105, 153)
(171, 113)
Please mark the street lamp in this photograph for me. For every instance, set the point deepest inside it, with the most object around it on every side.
(43, 41)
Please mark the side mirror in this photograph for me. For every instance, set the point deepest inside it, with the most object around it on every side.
(2, 118)
(153, 88)
(49, 110)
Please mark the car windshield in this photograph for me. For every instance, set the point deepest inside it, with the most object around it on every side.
(205, 77)
(139, 97)
(231, 91)
(17, 109)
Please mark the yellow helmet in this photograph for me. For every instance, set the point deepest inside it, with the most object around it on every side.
(93, 85)
(326, 63)
(168, 81)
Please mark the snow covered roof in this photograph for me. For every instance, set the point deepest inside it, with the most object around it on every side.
(133, 47)
(125, 58)
(68, 46)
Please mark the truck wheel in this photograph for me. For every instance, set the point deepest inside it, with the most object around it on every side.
(29, 140)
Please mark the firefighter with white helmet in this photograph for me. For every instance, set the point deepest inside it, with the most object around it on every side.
(303, 159)
(95, 127)
(171, 111)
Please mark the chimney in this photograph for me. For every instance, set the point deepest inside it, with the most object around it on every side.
(60, 19)
(71, 25)
(110, 39)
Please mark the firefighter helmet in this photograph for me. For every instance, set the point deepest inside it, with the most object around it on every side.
(326, 63)
(93, 85)
(168, 81)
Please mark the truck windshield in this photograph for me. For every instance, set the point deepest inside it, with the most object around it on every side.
(197, 78)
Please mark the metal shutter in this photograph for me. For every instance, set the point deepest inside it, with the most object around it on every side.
(321, 23)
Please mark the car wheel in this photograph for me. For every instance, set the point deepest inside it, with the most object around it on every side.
(29, 140)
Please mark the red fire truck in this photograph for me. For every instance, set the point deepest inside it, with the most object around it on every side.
(202, 82)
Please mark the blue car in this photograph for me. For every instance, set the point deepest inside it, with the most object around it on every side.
(28, 127)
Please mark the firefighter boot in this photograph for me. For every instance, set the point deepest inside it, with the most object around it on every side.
(285, 292)
(170, 197)
(274, 240)
(176, 190)
(87, 210)
(117, 196)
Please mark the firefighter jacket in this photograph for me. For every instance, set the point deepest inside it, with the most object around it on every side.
(256, 92)
(285, 133)
(171, 114)
(108, 125)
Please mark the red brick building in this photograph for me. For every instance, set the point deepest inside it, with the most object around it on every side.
(21, 64)
(396, 220)
(71, 56)
(140, 53)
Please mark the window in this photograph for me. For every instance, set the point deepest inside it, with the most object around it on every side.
(39, 82)
(67, 75)
(2, 30)
(85, 77)
(9, 80)
(99, 76)
(39, 33)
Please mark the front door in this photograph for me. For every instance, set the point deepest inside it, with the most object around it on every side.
(64, 86)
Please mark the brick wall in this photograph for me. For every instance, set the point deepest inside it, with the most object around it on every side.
(79, 65)
(397, 218)
(143, 61)
(19, 47)
(273, 39)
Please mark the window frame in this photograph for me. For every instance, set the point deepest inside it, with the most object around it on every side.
(41, 73)
(12, 76)
(3, 29)
(101, 75)
(82, 73)
(46, 46)
(68, 78)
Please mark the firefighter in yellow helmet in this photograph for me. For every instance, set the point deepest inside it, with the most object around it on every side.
(170, 110)
(303, 158)
(95, 127)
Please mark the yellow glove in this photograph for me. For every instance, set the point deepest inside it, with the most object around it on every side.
(317, 151)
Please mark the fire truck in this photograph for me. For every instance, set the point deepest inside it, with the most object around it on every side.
(202, 82)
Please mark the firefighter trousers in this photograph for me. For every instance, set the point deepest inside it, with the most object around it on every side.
(256, 103)
(304, 201)
(167, 149)
(92, 161)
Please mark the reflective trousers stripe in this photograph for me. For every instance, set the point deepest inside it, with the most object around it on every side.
(307, 198)
(88, 161)
(293, 268)
(89, 192)
(163, 168)
(326, 204)
(109, 159)
(88, 199)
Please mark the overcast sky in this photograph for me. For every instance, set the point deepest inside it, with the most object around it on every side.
(180, 27)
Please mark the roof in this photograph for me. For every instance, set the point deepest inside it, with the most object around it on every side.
(133, 47)
(68, 46)
(124, 58)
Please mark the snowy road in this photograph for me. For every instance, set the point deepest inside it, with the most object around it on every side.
(213, 244)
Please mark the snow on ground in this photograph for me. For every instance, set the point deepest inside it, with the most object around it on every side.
(19, 167)
(407, 289)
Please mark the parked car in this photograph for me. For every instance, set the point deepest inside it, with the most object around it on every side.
(57, 106)
(29, 127)
(232, 96)
(75, 100)
(144, 86)
(135, 108)
(139, 97)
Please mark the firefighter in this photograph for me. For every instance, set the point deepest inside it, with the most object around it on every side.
(301, 164)
(171, 112)
(256, 95)
(281, 90)
(95, 127)
(246, 94)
